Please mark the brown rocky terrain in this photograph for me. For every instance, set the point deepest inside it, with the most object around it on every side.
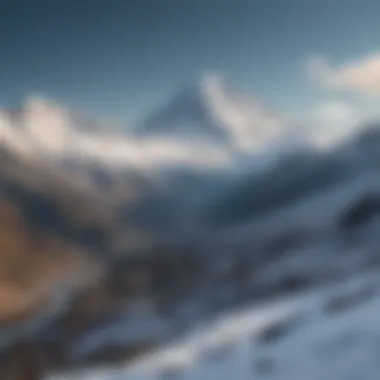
(40, 262)
(66, 268)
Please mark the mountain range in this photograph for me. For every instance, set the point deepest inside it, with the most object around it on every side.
(209, 111)
(113, 244)
(211, 108)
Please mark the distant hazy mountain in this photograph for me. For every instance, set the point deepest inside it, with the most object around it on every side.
(42, 128)
(41, 124)
(213, 109)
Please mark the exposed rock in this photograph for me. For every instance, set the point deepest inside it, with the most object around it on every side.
(360, 211)
(342, 302)
(278, 330)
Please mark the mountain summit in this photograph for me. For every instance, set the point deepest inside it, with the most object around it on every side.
(212, 109)
(40, 124)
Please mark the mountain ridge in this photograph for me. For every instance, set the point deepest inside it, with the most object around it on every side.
(212, 108)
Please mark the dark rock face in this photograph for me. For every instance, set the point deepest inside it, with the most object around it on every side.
(293, 178)
(343, 302)
(40, 210)
(119, 353)
(278, 330)
(48, 213)
(101, 177)
(21, 362)
(360, 212)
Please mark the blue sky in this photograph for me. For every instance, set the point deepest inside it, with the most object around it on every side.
(120, 58)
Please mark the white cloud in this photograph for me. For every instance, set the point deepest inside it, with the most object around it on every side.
(333, 120)
(336, 112)
(359, 75)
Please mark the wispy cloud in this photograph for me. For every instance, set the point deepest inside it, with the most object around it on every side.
(333, 120)
(335, 111)
(350, 97)
(359, 75)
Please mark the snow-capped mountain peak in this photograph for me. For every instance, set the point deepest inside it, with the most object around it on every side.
(39, 123)
(38, 104)
(37, 110)
(44, 120)
(211, 85)
(212, 109)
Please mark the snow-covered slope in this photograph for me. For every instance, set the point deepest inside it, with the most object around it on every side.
(330, 333)
(212, 109)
